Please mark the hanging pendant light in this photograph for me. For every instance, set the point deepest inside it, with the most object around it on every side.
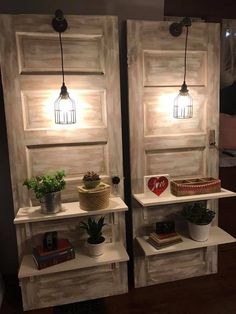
(183, 103)
(64, 106)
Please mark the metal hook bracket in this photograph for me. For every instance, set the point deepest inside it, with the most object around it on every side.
(59, 22)
(176, 29)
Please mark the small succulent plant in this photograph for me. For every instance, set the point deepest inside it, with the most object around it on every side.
(91, 180)
(94, 229)
(91, 176)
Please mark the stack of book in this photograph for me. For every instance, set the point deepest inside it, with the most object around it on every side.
(64, 252)
(165, 239)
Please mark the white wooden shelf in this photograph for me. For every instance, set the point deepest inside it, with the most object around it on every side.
(69, 210)
(217, 236)
(146, 200)
(114, 253)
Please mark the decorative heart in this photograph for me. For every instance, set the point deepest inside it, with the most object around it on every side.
(158, 185)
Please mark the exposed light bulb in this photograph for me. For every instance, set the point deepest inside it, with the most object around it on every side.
(64, 108)
(183, 104)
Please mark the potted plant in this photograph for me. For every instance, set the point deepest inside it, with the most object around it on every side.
(95, 240)
(199, 219)
(47, 189)
(91, 179)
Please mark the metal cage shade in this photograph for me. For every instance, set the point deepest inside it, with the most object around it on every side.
(183, 106)
(64, 109)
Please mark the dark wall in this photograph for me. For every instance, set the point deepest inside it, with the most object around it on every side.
(133, 9)
(207, 9)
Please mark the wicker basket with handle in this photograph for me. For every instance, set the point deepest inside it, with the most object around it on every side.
(94, 199)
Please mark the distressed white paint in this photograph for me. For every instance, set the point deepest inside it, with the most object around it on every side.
(162, 144)
(31, 72)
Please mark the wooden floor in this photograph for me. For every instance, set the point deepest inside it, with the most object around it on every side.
(209, 294)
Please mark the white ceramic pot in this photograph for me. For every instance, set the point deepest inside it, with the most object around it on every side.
(96, 250)
(198, 232)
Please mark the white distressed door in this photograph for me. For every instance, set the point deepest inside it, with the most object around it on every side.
(161, 144)
(31, 73)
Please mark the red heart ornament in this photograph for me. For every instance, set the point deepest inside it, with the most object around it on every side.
(158, 185)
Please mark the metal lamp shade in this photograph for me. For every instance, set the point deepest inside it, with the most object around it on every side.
(183, 106)
(64, 109)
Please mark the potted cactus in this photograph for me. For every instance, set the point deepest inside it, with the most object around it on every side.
(91, 179)
(199, 219)
(95, 240)
(47, 189)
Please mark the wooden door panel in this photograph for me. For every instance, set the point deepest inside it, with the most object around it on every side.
(61, 287)
(41, 53)
(39, 114)
(31, 71)
(157, 102)
(45, 159)
(159, 64)
(181, 163)
(161, 144)
(155, 76)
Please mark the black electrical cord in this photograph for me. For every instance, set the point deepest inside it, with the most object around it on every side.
(185, 53)
(62, 61)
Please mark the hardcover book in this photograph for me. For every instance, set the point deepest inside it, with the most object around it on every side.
(64, 252)
(55, 259)
(160, 241)
(62, 245)
(160, 246)
(164, 239)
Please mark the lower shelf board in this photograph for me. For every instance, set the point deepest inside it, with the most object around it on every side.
(114, 253)
(217, 236)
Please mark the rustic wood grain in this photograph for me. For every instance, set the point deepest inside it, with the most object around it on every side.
(161, 144)
(31, 72)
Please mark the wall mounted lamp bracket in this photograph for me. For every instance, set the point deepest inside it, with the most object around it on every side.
(59, 22)
(176, 29)
(183, 103)
(64, 106)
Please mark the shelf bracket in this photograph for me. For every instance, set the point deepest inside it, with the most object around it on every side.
(145, 214)
(27, 231)
(31, 278)
(147, 264)
(115, 265)
(114, 218)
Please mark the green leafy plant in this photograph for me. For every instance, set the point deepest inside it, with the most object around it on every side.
(198, 214)
(47, 183)
(94, 229)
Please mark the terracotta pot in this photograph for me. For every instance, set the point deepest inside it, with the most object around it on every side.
(51, 203)
(199, 232)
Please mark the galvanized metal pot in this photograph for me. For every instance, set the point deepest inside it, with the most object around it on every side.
(51, 203)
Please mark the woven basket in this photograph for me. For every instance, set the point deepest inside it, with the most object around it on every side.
(94, 199)
(195, 186)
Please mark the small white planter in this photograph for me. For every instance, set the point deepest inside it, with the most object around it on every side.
(199, 232)
(96, 250)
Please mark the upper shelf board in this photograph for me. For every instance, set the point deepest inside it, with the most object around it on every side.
(146, 200)
(69, 210)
